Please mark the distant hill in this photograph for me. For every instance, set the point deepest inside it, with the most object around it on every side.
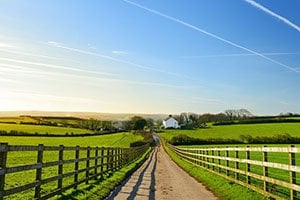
(86, 115)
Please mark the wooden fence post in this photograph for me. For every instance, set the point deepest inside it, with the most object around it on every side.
(38, 175)
(207, 159)
(219, 161)
(195, 156)
(116, 158)
(213, 160)
(227, 161)
(248, 178)
(112, 167)
(265, 169)
(96, 161)
(87, 169)
(60, 166)
(76, 166)
(107, 159)
(119, 158)
(3, 158)
(202, 159)
(292, 162)
(102, 161)
(237, 164)
(198, 157)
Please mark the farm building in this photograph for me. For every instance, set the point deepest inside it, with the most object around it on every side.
(170, 122)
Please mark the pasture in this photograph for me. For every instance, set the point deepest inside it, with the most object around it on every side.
(17, 120)
(234, 131)
(112, 140)
(24, 158)
(42, 129)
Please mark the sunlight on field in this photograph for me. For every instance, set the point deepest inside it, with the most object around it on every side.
(234, 131)
(42, 129)
(116, 140)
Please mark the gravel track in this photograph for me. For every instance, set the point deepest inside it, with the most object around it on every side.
(160, 178)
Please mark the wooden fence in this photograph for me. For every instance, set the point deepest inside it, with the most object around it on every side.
(272, 171)
(87, 163)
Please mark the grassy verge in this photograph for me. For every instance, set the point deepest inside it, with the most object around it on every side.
(19, 158)
(223, 188)
(102, 188)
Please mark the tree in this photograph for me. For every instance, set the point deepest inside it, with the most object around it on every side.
(150, 123)
(137, 123)
(238, 113)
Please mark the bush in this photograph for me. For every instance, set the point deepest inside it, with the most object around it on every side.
(186, 140)
(243, 139)
(138, 143)
(260, 120)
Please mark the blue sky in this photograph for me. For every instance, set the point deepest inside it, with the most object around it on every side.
(147, 56)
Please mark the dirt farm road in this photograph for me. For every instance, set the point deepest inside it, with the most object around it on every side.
(160, 178)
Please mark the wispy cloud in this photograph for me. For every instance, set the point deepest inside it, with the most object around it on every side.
(239, 54)
(55, 66)
(211, 35)
(58, 45)
(277, 16)
(16, 69)
(30, 54)
(8, 80)
(6, 45)
(118, 52)
(57, 97)
(285, 103)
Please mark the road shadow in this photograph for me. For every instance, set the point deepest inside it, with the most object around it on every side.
(133, 193)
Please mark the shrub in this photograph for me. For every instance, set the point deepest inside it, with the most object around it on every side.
(246, 139)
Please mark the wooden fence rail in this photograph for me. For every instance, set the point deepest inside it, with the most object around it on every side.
(103, 160)
(272, 171)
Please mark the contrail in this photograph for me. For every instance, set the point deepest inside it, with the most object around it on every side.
(117, 60)
(20, 69)
(30, 54)
(55, 66)
(281, 18)
(239, 54)
(211, 35)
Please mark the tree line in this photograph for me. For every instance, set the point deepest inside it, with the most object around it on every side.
(192, 120)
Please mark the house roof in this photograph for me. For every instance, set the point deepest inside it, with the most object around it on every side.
(170, 118)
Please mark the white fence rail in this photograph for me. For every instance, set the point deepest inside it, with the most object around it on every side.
(272, 171)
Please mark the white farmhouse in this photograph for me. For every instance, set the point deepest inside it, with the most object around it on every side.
(170, 122)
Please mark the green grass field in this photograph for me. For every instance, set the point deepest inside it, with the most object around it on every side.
(234, 131)
(17, 119)
(23, 158)
(112, 140)
(41, 129)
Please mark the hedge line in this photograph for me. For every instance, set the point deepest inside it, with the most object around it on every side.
(67, 134)
(258, 121)
(243, 139)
